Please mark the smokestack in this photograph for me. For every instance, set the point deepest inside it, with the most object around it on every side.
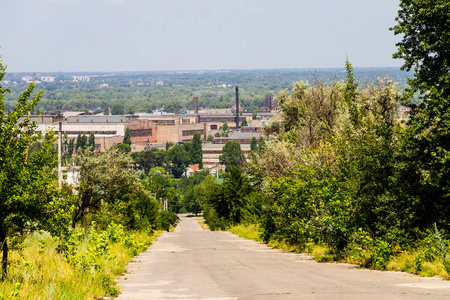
(237, 107)
(196, 104)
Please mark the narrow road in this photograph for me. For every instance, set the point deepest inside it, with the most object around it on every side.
(191, 263)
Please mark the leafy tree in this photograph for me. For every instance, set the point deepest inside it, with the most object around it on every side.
(169, 144)
(244, 123)
(425, 48)
(149, 158)
(179, 160)
(91, 144)
(261, 144)
(82, 142)
(28, 189)
(253, 145)
(110, 190)
(424, 28)
(229, 199)
(106, 110)
(127, 137)
(196, 151)
(70, 147)
(124, 148)
(118, 109)
(232, 155)
(225, 129)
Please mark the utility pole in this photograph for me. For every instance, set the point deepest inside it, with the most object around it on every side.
(237, 108)
(59, 154)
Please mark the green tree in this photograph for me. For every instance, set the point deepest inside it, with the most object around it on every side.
(70, 147)
(178, 160)
(225, 129)
(106, 110)
(244, 123)
(28, 188)
(91, 144)
(229, 199)
(425, 48)
(232, 155)
(196, 151)
(253, 145)
(118, 109)
(82, 142)
(127, 137)
(261, 144)
(109, 190)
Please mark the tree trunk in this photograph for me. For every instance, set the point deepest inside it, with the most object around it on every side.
(4, 245)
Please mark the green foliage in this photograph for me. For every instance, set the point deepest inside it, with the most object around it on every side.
(85, 269)
(194, 190)
(225, 129)
(127, 137)
(229, 199)
(28, 189)
(253, 145)
(91, 144)
(423, 26)
(109, 190)
(145, 160)
(82, 142)
(166, 219)
(196, 152)
(424, 154)
(178, 160)
(118, 109)
(232, 155)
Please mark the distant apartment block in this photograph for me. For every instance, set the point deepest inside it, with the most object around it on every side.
(103, 85)
(27, 79)
(81, 78)
(48, 79)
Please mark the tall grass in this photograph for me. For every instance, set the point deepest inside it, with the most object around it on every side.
(38, 271)
(428, 258)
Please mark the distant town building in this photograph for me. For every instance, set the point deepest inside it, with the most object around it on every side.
(81, 78)
(160, 83)
(103, 85)
(48, 79)
(27, 79)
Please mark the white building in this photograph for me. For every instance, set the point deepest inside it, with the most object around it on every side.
(27, 79)
(81, 78)
(48, 79)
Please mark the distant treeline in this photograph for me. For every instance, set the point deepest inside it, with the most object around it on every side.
(174, 91)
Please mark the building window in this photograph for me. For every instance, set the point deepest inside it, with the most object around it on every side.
(191, 132)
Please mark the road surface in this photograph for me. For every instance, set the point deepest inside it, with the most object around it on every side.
(192, 263)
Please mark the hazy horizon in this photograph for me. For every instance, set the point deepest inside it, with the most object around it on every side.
(188, 35)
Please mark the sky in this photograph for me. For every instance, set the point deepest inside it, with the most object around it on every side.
(157, 35)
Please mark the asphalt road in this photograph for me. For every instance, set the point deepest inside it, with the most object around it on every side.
(191, 263)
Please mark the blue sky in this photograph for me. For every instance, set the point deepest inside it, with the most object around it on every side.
(150, 35)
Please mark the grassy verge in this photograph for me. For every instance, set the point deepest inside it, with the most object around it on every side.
(416, 261)
(202, 223)
(86, 269)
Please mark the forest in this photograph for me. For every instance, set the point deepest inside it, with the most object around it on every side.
(140, 92)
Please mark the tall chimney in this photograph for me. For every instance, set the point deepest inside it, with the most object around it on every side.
(196, 104)
(237, 107)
